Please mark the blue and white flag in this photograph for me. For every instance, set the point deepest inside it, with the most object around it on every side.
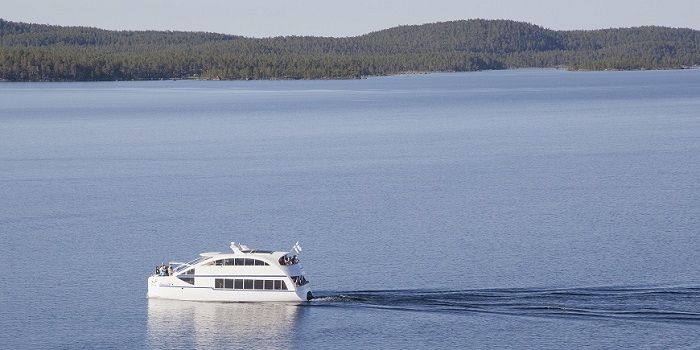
(297, 247)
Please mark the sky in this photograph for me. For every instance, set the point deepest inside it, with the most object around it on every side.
(263, 18)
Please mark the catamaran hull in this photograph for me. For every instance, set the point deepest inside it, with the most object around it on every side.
(167, 288)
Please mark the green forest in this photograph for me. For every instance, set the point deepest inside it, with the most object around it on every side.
(39, 52)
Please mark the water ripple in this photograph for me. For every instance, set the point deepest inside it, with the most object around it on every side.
(658, 304)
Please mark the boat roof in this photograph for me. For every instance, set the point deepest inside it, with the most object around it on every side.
(209, 254)
(237, 249)
(241, 253)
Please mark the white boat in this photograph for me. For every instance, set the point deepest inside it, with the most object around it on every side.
(242, 275)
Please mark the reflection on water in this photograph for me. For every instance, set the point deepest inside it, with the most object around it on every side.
(181, 324)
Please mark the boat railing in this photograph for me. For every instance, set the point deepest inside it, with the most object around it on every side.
(183, 266)
(286, 260)
(163, 270)
(172, 268)
(299, 280)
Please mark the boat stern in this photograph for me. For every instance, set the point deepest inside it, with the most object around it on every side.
(304, 292)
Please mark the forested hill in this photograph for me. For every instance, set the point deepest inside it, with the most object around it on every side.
(36, 52)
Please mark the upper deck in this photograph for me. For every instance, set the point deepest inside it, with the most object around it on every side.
(241, 261)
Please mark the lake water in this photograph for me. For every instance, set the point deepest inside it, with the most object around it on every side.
(525, 209)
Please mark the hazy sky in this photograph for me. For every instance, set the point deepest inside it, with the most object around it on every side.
(343, 18)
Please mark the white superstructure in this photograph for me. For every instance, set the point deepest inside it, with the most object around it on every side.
(243, 274)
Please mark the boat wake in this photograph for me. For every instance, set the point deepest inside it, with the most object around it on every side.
(659, 304)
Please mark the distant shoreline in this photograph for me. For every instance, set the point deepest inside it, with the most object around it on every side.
(364, 77)
(37, 52)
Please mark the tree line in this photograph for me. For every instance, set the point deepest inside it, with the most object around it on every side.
(37, 52)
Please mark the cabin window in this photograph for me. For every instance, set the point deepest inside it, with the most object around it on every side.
(248, 284)
(224, 262)
(238, 283)
(269, 284)
(189, 280)
(280, 285)
(186, 278)
(239, 262)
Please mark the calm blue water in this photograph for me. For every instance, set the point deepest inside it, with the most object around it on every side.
(526, 209)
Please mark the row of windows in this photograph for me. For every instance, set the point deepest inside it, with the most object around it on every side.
(239, 262)
(249, 284)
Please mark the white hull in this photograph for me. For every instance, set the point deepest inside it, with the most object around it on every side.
(169, 287)
(242, 275)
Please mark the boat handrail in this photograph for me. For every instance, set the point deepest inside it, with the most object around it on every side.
(286, 260)
(184, 266)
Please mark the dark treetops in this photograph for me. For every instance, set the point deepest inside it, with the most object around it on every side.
(36, 52)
